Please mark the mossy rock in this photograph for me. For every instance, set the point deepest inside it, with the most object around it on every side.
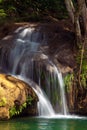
(15, 96)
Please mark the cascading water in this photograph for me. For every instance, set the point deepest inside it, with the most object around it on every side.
(26, 60)
(44, 106)
(62, 92)
(54, 86)
(26, 44)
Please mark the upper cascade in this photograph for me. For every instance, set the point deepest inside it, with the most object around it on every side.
(28, 61)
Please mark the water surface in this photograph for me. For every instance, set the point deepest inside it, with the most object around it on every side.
(44, 124)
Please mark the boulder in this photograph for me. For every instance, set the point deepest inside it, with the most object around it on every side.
(16, 96)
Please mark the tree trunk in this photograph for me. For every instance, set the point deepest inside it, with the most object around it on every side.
(78, 15)
(70, 9)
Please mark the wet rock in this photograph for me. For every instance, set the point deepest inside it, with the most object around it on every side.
(57, 41)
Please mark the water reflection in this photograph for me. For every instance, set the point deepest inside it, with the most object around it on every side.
(13, 125)
(44, 124)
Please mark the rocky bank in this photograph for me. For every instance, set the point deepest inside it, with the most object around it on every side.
(16, 97)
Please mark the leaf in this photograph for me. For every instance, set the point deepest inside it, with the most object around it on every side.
(1, 1)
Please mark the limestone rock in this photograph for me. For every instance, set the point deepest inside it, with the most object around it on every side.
(14, 93)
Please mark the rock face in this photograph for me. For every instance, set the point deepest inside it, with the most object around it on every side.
(16, 96)
(57, 41)
(77, 100)
(59, 47)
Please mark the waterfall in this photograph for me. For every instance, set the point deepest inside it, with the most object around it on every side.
(64, 109)
(54, 87)
(28, 61)
(44, 105)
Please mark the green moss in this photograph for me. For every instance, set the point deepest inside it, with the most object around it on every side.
(2, 16)
(3, 102)
(68, 80)
(82, 64)
(83, 74)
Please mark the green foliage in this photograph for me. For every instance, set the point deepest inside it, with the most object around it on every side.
(16, 110)
(2, 13)
(1, 1)
(33, 9)
(68, 80)
(29, 100)
(83, 74)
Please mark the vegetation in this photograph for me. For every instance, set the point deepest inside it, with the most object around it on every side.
(82, 63)
(16, 110)
(68, 80)
(20, 10)
(36, 10)
(78, 13)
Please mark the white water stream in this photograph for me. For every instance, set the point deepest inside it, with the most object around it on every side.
(26, 45)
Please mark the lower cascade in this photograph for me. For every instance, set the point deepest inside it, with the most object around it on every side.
(26, 60)
(44, 105)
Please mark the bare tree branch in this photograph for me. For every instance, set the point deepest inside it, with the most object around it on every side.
(70, 9)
